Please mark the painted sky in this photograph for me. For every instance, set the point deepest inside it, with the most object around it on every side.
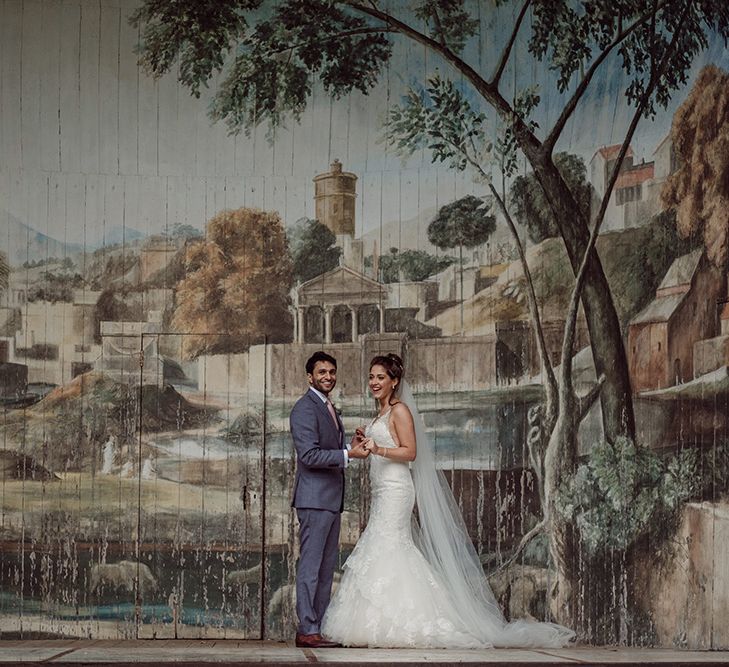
(90, 145)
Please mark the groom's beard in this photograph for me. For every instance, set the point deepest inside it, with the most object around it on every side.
(320, 387)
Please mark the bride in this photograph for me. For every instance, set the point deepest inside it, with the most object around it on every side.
(417, 584)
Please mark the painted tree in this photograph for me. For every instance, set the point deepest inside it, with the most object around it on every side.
(346, 44)
(415, 265)
(55, 286)
(183, 230)
(313, 249)
(699, 189)
(236, 289)
(529, 202)
(114, 305)
(464, 223)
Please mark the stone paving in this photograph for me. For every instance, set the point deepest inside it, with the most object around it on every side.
(222, 653)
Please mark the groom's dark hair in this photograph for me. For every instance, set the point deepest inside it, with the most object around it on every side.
(319, 356)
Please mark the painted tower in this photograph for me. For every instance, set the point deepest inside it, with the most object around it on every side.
(334, 195)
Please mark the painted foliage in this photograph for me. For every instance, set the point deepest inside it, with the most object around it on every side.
(525, 200)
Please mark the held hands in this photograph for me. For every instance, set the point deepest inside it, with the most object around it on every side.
(357, 450)
(370, 446)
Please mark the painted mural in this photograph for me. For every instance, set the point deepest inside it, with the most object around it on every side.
(526, 200)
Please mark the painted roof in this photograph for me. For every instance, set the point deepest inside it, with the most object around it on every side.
(682, 270)
(680, 273)
(705, 386)
(611, 152)
(340, 278)
(660, 309)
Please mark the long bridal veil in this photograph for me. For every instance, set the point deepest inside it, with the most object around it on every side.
(443, 539)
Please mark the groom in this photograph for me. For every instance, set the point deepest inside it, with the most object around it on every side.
(321, 457)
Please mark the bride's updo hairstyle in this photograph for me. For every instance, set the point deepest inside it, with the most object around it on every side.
(392, 364)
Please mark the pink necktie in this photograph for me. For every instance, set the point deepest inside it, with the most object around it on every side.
(330, 407)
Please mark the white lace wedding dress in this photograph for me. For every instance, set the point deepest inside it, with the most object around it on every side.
(390, 596)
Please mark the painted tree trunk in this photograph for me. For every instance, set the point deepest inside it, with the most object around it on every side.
(602, 318)
(559, 461)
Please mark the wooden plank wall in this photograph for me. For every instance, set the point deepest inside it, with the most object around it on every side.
(94, 153)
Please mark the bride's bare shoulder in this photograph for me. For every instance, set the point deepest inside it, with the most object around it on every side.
(399, 409)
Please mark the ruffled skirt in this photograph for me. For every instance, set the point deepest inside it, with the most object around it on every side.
(389, 597)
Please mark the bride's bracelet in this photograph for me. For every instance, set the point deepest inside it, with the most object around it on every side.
(384, 452)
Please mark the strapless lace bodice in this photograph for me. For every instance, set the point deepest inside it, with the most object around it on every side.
(383, 469)
(379, 430)
(391, 485)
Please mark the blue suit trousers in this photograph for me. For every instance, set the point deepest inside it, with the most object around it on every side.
(319, 546)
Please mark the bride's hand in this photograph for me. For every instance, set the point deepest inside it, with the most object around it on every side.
(369, 445)
(358, 437)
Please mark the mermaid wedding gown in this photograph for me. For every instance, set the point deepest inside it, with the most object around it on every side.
(391, 596)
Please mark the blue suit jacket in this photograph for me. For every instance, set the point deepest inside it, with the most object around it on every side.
(319, 482)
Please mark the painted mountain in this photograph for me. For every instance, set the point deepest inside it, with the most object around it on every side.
(412, 234)
(22, 243)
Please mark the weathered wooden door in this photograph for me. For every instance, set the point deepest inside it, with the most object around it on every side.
(70, 504)
(200, 461)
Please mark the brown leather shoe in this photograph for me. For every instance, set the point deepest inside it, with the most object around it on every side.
(328, 643)
(314, 641)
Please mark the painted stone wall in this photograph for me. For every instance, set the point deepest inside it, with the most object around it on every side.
(685, 590)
